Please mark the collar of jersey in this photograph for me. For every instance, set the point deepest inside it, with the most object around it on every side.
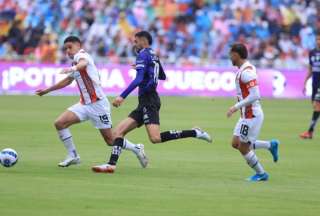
(244, 65)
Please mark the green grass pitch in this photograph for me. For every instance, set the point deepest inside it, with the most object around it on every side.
(187, 177)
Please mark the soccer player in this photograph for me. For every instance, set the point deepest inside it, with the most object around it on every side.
(248, 127)
(93, 105)
(149, 70)
(314, 71)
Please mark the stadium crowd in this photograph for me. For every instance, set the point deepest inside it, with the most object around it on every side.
(278, 33)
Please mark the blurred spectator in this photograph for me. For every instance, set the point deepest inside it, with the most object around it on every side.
(278, 33)
(46, 51)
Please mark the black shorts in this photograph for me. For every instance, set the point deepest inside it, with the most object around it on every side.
(148, 109)
(315, 94)
(148, 114)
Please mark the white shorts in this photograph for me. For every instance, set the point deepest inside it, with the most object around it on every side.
(98, 113)
(248, 129)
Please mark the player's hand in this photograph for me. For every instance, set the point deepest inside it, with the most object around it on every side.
(118, 101)
(304, 90)
(41, 92)
(231, 111)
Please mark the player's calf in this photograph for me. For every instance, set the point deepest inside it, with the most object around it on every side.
(244, 148)
(176, 134)
(155, 139)
(107, 136)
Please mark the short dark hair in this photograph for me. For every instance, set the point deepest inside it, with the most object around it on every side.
(72, 39)
(146, 35)
(241, 49)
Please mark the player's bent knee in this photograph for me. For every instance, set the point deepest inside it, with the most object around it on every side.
(244, 148)
(59, 125)
(108, 140)
(235, 145)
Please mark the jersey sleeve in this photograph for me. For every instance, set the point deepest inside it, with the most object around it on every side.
(254, 95)
(81, 55)
(141, 65)
(249, 78)
(141, 61)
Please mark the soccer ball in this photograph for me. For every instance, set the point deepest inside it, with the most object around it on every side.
(8, 157)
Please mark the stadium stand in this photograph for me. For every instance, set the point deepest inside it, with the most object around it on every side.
(278, 33)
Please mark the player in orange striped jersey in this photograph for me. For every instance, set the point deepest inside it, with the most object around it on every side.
(93, 105)
(248, 127)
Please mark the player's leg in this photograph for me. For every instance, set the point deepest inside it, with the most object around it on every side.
(247, 131)
(252, 160)
(62, 124)
(179, 134)
(100, 117)
(155, 136)
(115, 139)
(107, 135)
(120, 143)
(315, 115)
(152, 122)
(133, 121)
(270, 145)
(235, 142)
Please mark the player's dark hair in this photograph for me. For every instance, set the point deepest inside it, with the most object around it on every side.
(72, 39)
(241, 49)
(146, 35)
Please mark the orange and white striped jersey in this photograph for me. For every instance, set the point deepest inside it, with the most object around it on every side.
(246, 78)
(88, 79)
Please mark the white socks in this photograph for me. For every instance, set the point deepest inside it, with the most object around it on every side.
(253, 162)
(66, 138)
(261, 144)
(130, 146)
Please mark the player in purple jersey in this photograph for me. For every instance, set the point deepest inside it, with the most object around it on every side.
(149, 71)
(314, 72)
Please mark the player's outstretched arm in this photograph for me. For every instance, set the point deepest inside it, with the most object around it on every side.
(63, 83)
(119, 100)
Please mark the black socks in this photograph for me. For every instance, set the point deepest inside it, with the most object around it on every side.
(116, 150)
(173, 134)
(313, 123)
